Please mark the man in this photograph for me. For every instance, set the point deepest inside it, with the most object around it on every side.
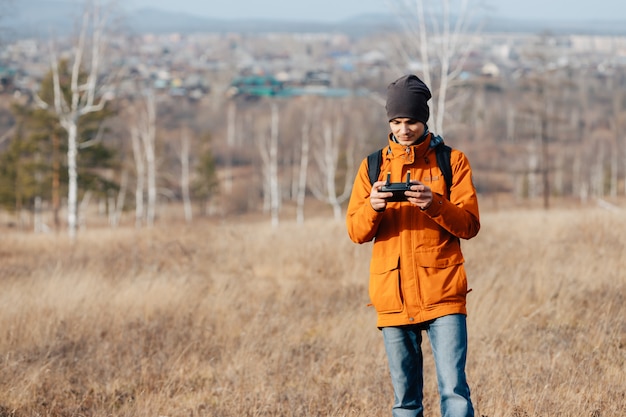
(417, 278)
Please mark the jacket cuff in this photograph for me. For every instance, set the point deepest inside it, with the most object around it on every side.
(435, 205)
(373, 210)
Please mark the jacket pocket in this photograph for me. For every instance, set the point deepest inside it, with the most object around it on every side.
(384, 285)
(444, 285)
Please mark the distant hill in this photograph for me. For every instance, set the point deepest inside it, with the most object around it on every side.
(37, 18)
(154, 20)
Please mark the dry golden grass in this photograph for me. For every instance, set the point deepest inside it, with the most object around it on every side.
(238, 319)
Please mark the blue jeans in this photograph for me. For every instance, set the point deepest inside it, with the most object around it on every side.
(448, 340)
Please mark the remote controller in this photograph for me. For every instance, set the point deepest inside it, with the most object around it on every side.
(397, 188)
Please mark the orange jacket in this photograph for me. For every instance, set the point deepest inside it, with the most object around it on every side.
(416, 270)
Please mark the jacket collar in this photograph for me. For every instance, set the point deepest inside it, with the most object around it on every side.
(419, 147)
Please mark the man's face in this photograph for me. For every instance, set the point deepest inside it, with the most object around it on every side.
(406, 130)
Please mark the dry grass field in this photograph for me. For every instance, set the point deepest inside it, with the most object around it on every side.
(239, 319)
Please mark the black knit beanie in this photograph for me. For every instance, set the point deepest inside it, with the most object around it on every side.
(408, 97)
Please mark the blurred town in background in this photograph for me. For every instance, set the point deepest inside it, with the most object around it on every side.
(224, 118)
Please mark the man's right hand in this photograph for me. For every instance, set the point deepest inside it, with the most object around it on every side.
(378, 199)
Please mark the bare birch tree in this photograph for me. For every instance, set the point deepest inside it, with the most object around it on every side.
(140, 171)
(331, 144)
(116, 203)
(148, 136)
(144, 151)
(302, 174)
(84, 96)
(443, 32)
(230, 143)
(267, 143)
(273, 168)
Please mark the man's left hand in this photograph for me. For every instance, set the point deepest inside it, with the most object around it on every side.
(420, 195)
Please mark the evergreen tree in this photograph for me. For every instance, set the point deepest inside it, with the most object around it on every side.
(206, 182)
(35, 163)
(28, 163)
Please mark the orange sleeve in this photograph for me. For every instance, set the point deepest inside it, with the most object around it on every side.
(361, 219)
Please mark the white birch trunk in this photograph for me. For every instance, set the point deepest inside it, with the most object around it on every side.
(140, 169)
(559, 174)
(510, 123)
(39, 225)
(598, 174)
(614, 173)
(444, 69)
(148, 137)
(302, 177)
(261, 142)
(577, 177)
(331, 155)
(533, 168)
(72, 174)
(230, 142)
(273, 168)
(184, 176)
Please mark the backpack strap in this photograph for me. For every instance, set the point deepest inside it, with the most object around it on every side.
(443, 159)
(374, 161)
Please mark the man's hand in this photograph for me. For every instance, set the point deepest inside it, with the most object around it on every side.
(378, 199)
(420, 195)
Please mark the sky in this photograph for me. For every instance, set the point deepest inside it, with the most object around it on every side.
(335, 10)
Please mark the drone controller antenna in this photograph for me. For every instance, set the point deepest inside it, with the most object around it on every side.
(408, 179)
(388, 178)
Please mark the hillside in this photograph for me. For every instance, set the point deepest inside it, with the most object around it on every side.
(242, 319)
(38, 18)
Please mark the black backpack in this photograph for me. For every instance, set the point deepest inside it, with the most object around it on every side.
(375, 160)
